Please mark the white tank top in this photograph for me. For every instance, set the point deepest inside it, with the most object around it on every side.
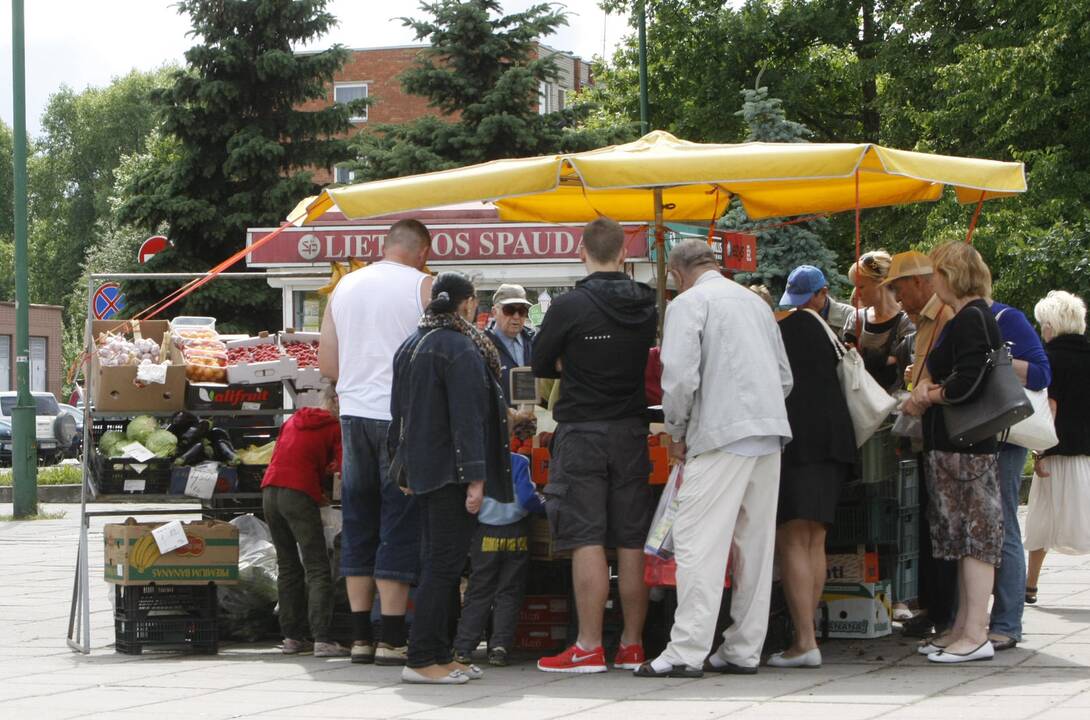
(374, 309)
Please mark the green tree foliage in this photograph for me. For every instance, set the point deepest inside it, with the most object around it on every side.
(236, 149)
(85, 135)
(1002, 80)
(780, 249)
(481, 74)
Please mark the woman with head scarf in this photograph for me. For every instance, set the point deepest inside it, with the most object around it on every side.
(448, 446)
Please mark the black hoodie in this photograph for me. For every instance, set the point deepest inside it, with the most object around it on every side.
(1069, 356)
(601, 332)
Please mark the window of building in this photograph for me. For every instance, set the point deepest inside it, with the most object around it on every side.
(542, 98)
(560, 92)
(38, 355)
(5, 362)
(343, 175)
(349, 91)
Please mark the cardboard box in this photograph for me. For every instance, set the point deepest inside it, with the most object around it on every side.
(260, 372)
(240, 398)
(545, 610)
(132, 557)
(857, 610)
(114, 389)
(541, 541)
(858, 567)
(540, 637)
(305, 378)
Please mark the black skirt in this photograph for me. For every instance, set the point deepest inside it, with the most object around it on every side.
(811, 491)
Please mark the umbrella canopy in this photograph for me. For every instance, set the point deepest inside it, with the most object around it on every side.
(698, 180)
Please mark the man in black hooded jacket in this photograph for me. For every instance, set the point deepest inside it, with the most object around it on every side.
(596, 339)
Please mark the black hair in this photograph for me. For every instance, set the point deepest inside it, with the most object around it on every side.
(449, 291)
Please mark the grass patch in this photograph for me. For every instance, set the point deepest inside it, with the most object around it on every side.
(52, 515)
(57, 475)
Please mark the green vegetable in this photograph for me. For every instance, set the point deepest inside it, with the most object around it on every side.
(140, 427)
(162, 442)
(111, 443)
(257, 455)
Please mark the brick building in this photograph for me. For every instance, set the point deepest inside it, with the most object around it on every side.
(374, 73)
(46, 371)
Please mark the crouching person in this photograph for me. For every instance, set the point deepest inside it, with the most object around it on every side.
(500, 557)
(309, 447)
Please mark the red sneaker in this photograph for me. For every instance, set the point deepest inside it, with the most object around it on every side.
(575, 660)
(628, 657)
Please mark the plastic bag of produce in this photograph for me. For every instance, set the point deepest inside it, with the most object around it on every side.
(161, 442)
(248, 609)
(257, 454)
(140, 427)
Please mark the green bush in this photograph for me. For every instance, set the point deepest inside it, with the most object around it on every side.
(58, 475)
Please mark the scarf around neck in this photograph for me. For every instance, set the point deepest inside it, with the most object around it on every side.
(455, 322)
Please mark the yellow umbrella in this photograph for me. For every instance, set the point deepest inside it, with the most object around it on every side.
(663, 178)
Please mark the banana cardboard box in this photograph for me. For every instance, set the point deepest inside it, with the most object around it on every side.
(857, 610)
(132, 557)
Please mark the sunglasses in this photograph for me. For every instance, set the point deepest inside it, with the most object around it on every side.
(510, 310)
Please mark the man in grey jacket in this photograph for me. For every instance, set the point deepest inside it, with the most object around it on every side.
(725, 376)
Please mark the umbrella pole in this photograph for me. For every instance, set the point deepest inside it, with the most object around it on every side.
(660, 258)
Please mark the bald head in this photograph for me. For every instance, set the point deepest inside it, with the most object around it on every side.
(408, 243)
(689, 260)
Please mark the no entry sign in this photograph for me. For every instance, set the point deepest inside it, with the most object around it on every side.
(108, 301)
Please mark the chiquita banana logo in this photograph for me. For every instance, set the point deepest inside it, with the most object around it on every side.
(144, 553)
(339, 271)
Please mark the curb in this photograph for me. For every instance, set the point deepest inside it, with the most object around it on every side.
(47, 493)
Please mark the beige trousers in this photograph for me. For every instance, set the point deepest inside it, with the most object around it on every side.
(726, 508)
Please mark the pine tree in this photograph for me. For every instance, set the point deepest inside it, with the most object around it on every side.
(781, 249)
(481, 73)
(236, 150)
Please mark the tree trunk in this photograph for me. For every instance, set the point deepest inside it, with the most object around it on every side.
(866, 52)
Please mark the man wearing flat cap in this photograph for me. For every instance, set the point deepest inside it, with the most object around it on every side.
(513, 340)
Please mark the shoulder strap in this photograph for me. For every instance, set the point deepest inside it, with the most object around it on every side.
(838, 347)
(987, 364)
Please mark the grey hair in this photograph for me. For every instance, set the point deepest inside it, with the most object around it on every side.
(691, 254)
(1064, 312)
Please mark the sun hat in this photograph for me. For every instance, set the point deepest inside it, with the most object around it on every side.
(906, 264)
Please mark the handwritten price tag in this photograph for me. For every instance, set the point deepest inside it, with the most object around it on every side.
(201, 482)
(170, 536)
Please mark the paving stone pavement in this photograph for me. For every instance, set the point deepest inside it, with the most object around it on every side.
(1047, 676)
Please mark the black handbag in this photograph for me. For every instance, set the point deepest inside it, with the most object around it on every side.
(1001, 403)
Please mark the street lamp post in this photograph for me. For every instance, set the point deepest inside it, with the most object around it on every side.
(23, 454)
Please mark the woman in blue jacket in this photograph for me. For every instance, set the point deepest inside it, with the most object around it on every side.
(448, 444)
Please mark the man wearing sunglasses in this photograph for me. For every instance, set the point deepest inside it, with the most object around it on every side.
(509, 334)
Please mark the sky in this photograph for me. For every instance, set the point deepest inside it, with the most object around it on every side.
(81, 43)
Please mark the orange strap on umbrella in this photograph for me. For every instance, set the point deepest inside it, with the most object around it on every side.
(192, 285)
(976, 216)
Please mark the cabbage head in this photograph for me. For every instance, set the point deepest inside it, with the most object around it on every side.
(140, 427)
(162, 442)
(111, 443)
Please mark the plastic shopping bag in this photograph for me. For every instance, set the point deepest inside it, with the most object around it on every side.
(660, 542)
(658, 572)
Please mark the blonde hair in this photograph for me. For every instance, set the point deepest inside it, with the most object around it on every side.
(874, 265)
(764, 294)
(964, 270)
(1064, 312)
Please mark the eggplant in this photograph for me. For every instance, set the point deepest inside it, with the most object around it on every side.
(193, 455)
(222, 447)
(195, 434)
(181, 423)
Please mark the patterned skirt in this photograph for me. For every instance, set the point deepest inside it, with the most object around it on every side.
(966, 512)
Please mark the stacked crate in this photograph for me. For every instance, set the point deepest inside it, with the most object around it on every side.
(166, 617)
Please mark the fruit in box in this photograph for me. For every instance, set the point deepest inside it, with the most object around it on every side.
(252, 354)
(306, 353)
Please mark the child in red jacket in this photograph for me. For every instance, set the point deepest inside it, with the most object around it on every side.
(309, 447)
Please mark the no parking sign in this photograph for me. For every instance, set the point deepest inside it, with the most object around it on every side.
(108, 301)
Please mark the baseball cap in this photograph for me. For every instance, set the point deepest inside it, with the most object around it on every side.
(508, 294)
(802, 283)
(906, 264)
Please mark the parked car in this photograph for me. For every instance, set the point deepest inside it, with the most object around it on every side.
(54, 429)
(5, 443)
(76, 413)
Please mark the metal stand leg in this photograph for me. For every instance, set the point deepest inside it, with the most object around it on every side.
(79, 617)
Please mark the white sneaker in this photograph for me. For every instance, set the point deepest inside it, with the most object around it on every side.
(412, 677)
(330, 649)
(809, 659)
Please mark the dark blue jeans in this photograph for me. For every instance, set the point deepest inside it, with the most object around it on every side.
(1010, 576)
(447, 533)
(380, 536)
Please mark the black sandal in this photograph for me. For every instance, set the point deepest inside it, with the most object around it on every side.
(1031, 595)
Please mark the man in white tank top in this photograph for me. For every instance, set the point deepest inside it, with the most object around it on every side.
(369, 315)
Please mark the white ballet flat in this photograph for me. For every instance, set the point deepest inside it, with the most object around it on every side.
(983, 652)
(412, 677)
(809, 659)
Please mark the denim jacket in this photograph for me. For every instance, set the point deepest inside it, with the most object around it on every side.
(449, 417)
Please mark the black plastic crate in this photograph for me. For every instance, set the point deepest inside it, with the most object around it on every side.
(110, 475)
(908, 532)
(873, 521)
(904, 571)
(166, 617)
(250, 477)
(100, 426)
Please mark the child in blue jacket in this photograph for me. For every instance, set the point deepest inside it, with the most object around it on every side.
(500, 559)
